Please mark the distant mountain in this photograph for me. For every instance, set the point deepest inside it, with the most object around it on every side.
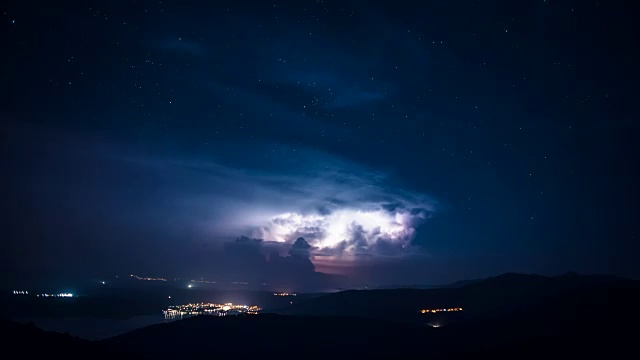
(288, 337)
(489, 298)
(424, 286)
(460, 283)
(270, 335)
(505, 317)
(586, 321)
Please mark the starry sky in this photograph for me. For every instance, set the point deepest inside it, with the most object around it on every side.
(405, 142)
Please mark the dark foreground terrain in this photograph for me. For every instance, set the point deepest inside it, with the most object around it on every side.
(570, 317)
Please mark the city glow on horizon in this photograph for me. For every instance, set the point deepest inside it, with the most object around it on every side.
(63, 295)
(178, 311)
(427, 311)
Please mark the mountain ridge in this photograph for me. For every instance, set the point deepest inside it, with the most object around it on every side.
(490, 297)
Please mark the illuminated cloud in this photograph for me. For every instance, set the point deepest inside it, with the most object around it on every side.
(353, 229)
(340, 213)
(192, 209)
(340, 208)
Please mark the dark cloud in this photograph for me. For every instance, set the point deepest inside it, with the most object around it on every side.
(300, 248)
(187, 207)
(323, 210)
(359, 237)
(254, 260)
(391, 206)
(244, 246)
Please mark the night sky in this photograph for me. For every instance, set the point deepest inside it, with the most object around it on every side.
(406, 142)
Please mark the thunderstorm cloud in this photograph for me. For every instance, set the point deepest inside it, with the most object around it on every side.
(340, 208)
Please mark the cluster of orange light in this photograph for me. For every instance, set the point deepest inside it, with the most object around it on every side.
(205, 308)
(426, 311)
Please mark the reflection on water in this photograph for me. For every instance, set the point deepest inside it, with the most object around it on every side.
(175, 316)
(95, 329)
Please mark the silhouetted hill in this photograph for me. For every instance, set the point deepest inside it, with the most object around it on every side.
(522, 281)
(423, 286)
(508, 316)
(567, 316)
(460, 283)
(28, 342)
(272, 335)
(490, 298)
(559, 331)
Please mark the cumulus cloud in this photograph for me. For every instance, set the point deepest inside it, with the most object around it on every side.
(355, 229)
(180, 206)
(341, 209)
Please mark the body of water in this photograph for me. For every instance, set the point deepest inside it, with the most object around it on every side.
(96, 329)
